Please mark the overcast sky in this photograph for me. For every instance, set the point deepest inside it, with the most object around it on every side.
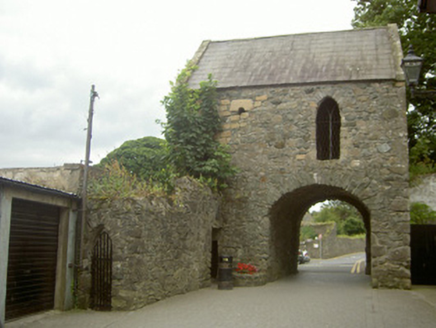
(52, 51)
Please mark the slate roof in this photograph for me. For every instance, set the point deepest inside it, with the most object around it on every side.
(353, 55)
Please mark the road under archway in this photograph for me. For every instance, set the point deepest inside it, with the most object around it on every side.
(286, 215)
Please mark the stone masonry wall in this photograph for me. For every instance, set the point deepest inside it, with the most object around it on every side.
(161, 248)
(66, 178)
(271, 133)
(332, 244)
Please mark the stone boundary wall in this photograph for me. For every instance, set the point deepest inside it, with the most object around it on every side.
(425, 191)
(332, 244)
(343, 245)
(66, 178)
(161, 247)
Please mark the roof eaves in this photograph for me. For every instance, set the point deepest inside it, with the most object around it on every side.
(36, 188)
(297, 84)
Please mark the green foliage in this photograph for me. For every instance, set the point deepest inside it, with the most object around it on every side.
(149, 164)
(348, 220)
(359, 236)
(307, 232)
(421, 213)
(353, 226)
(326, 214)
(142, 157)
(190, 129)
(420, 161)
(417, 30)
(116, 182)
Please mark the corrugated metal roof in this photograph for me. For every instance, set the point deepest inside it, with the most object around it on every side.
(354, 55)
(35, 188)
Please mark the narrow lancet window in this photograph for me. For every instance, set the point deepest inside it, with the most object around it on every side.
(328, 127)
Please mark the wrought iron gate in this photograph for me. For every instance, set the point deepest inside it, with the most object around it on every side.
(101, 286)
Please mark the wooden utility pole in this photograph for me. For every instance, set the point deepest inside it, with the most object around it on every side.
(94, 95)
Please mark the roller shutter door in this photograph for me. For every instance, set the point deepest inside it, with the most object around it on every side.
(33, 246)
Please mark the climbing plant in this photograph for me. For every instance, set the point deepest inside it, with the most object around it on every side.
(192, 122)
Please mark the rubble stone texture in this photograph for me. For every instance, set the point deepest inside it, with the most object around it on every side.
(273, 142)
(270, 90)
(161, 248)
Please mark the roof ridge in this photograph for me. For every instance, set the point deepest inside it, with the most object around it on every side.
(298, 34)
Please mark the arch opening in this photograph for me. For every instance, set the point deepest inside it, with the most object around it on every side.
(286, 216)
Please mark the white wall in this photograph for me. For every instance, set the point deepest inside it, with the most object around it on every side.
(425, 191)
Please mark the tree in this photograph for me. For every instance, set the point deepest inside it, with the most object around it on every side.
(142, 157)
(417, 30)
(353, 226)
(348, 220)
(192, 124)
(190, 147)
(307, 232)
(421, 213)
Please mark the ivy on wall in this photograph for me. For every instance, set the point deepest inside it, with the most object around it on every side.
(190, 130)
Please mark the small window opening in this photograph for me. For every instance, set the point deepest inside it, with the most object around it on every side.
(328, 126)
(241, 110)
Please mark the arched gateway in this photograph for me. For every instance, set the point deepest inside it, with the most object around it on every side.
(286, 216)
(312, 117)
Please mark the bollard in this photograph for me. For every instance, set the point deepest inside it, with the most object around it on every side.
(225, 269)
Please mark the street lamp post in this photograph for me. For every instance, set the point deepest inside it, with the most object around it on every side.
(412, 65)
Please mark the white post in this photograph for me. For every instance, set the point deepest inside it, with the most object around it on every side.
(320, 245)
(5, 227)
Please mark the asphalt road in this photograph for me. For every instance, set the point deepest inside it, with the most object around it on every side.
(323, 294)
(352, 263)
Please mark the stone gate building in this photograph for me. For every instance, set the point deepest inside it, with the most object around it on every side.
(307, 118)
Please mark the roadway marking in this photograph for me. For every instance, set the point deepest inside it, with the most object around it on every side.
(357, 267)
